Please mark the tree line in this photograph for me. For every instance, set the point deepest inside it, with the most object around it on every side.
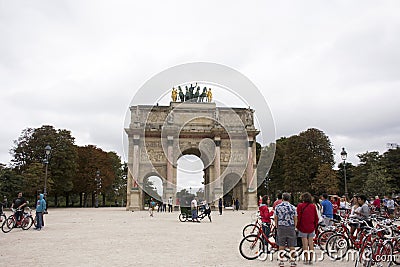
(302, 162)
(305, 163)
(71, 173)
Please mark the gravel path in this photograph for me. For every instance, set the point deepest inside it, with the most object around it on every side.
(115, 237)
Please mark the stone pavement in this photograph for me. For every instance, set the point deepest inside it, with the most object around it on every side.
(115, 237)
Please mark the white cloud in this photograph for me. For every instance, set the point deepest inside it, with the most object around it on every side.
(76, 65)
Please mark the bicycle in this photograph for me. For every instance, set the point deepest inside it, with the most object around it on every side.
(25, 222)
(252, 228)
(338, 245)
(253, 246)
(2, 218)
(375, 250)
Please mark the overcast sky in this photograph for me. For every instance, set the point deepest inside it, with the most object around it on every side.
(333, 65)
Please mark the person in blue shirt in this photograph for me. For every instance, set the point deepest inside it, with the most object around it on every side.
(40, 209)
(327, 210)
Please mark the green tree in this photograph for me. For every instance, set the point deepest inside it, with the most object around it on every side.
(10, 182)
(90, 160)
(276, 173)
(377, 182)
(367, 159)
(120, 183)
(33, 181)
(29, 149)
(298, 159)
(326, 180)
(391, 163)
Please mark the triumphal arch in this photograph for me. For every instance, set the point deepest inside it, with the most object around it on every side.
(222, 137)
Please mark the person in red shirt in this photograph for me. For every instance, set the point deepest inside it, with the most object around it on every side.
(377, 204)
(278, 201)
(336, 205)
(265, 215)
(307, 223)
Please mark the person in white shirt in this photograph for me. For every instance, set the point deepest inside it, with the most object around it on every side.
(170, 204)
(193, 206)
(390, 207)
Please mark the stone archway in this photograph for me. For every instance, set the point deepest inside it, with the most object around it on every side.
(223, 138)
(199, 188)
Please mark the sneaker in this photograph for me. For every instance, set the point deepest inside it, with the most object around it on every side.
(293, 264)
(281, 264)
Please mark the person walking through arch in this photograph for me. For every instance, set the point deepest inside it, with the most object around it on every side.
(170, 204)
(152, 205)
(220, 206)
(237, 204)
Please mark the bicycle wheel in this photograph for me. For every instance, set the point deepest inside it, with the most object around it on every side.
(9, 224)
(323, 238)
(364, 259)
(251, 247)
(337, 246)
(382, 253)
(183, 217)
(396, 251)
(26, 222)
(250, 229)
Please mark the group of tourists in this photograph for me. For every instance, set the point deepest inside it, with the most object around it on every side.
(302, 221)
(160, 206)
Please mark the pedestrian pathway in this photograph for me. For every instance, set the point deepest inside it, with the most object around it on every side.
(115, 237)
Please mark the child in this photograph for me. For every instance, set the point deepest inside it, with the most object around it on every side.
(265, 215)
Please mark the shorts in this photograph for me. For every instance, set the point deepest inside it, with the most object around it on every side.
(286, 236)
(306, 235)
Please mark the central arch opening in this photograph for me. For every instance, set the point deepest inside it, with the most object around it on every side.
(191, 178)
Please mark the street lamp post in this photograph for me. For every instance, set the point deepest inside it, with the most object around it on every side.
(98, 186)
(343, 154)
(47, 150)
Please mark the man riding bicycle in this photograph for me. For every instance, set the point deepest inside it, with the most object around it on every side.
(19, 204)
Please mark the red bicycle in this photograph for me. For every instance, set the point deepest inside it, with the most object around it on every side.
(254, 246)
(11, 222)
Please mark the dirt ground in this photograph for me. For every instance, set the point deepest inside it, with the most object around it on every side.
(115, 237)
